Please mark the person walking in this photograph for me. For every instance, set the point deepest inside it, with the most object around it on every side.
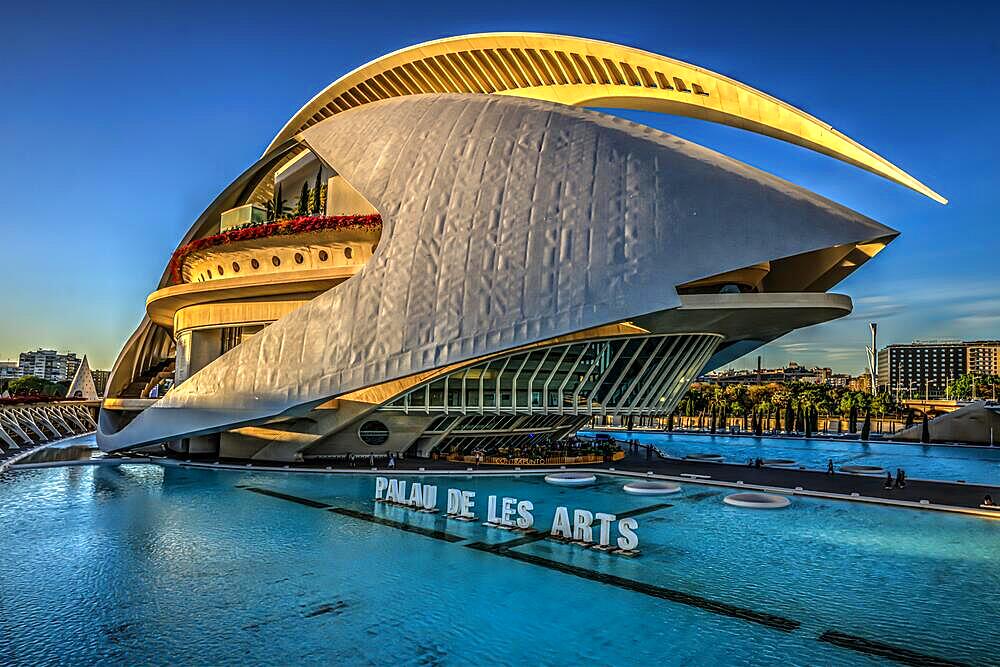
(888, 480)
(829, 466)
(392, 461)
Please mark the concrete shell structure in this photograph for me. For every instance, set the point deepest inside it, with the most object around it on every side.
(536, 264)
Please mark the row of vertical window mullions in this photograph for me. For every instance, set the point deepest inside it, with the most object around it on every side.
(708, 346)
(433, 395)
(680, 366)
(647, 368)
(518, 382)
(667, 363)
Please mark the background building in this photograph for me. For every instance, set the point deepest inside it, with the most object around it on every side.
(48, 365)
(9, 370)
(861, 382)
(921, 368)
(793, 372)
(100, 380)
(982, 357)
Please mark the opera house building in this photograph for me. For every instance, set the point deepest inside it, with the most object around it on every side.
(448, 250)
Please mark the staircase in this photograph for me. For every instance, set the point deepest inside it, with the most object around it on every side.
(152, 376)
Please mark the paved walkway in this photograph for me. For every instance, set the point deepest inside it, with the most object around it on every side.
(872, 486)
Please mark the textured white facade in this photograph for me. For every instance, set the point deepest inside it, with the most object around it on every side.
(506, 222)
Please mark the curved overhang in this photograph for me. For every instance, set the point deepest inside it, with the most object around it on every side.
(584, 72)
(580, 238)
(163, 304)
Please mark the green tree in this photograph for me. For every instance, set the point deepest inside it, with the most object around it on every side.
(304, 200)
(278, 209)
(972, 386)
(31, 385)
(317, 193)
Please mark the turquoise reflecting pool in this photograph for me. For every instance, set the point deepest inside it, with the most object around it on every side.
(975, 465)
(143, 564)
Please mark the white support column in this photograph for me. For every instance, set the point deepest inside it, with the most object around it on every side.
(513, 385)
(531, 380)
(562, 385)
(548, 378)
(604, 375)
(583, 381)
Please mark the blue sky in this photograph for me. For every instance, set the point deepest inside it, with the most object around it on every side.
(120, 123)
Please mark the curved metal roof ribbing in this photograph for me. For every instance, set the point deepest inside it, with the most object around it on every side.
(585, 72)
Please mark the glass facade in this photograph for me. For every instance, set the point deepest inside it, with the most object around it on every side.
(635, 375)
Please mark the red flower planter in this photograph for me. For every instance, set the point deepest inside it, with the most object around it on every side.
(309, 223)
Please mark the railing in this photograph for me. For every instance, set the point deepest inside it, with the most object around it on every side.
(535, 461)
(26, 428)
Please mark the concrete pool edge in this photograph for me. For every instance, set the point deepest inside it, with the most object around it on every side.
(783, 436)
(23, 453)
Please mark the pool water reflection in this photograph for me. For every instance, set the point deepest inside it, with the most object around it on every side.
(143, 564)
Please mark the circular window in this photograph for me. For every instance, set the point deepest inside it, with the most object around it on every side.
(323, 255)
(254, 264)
(221, 272)
(348, 252)
(298, 258)
(373, 433)
(236, 267)
(209, 273)
(275, 260)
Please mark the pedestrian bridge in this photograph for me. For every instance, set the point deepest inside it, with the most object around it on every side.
(25, 428)
(935, 406)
